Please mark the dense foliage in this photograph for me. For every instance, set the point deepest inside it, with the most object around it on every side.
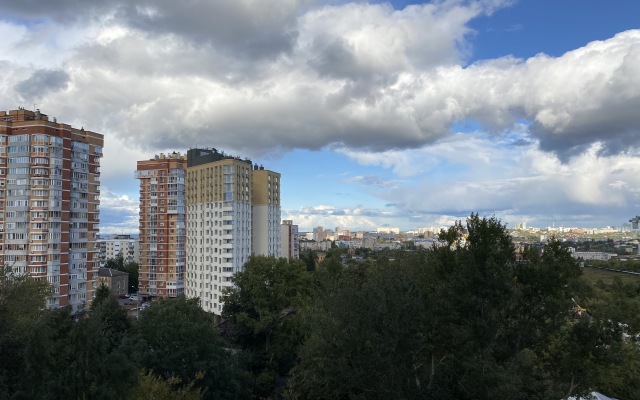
(173, 351)
(462, 321)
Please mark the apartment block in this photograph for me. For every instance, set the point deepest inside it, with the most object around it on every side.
(116, 281)
(125, 245)
(289, 241)
(49, 204)
(162, 225)
(265, 205)
(233, 211)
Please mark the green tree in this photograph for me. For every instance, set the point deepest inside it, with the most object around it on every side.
(22, 301)
(48, 350)
(263, 311)
(134, 278)
(82, 359)
(364, 342)
(153, 387)
(463, 321)
(99, 366)
(176, 339)
(309, 259)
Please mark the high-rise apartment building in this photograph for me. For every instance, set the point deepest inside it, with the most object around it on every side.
(265, 205)
(162, 225)
(289, 241)
(233, 211)
(318, 234)
(49, 204)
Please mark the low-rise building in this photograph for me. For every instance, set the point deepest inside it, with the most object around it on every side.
(116, 281)
(324, 245)
(592, 255)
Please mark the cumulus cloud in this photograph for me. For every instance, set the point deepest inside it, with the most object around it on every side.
(532, 185)
(162, 75)
(41, 82)
(259, 77)
(386, 87)
(357, 217)
(118, 214)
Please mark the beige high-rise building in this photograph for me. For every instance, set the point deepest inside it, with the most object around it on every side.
(162, 225)
(233, 211)
(50, 205)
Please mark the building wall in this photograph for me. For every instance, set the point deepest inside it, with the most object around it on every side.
(49, 204)
(266, 213)
(116, 281)
(289, 242)
(162, 225)
(110, 248)
(233, 212)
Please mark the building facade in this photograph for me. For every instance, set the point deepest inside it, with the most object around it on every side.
(126, 245)
(162, 225)
(289, 241)
(116, 281)
(49, 204)
(233, 211)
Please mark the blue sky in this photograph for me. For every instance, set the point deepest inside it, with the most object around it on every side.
(403, 114)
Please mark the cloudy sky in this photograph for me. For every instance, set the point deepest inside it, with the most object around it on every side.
(402, 114)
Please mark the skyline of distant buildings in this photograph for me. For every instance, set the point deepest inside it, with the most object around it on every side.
(201, 216)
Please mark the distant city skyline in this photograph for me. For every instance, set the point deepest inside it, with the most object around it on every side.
(402, 114)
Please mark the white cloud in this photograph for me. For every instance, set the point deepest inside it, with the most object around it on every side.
(369, 81)
(118, 213)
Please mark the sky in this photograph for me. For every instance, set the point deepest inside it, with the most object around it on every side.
(400, 114)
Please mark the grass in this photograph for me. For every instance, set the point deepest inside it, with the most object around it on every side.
(593, 275)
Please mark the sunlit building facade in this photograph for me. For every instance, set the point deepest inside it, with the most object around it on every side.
(49, 204)
(233, 211)
(289, 242)
(162, 226)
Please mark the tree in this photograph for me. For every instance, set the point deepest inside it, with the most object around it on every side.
(263, 311)
(153, 387)
(175, 339)
(46, 356)
(463, 321)
(83, 359)
(309, 259)
(132, 269)
(364, 341)
(22, 301)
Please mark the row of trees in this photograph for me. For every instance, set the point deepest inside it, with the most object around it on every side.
(172, 351)
(457, 322)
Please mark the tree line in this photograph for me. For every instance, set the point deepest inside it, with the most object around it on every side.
(462, 321)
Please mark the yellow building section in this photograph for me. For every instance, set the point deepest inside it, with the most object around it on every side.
(219, 181)
(266, 187)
